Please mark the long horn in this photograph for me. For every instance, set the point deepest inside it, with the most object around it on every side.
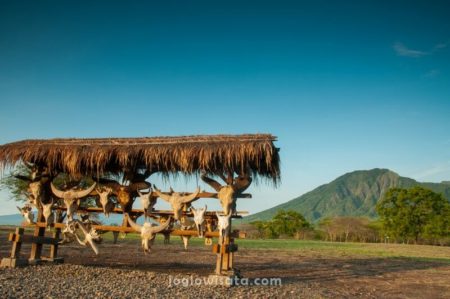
(83, 193)
(56, 192)
(206, 207)
(140, 186)
(133, 224)
(191, 197)
(162, 195)
(214, 184)
(161, 227)
(242, 183)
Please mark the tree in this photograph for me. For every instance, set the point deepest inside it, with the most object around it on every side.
(289, 223)
(411, 214)
(265, 229)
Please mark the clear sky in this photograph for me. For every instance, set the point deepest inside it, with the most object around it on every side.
(344, 85)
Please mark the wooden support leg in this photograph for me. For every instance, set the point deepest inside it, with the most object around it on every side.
(36, 249)
(115, 235)
(54, 248)
(225, 251)
(14, 260)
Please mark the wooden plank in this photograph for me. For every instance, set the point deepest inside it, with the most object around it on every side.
(54, 247)
(36, 248)
(208, 214)
(175, 232)
(17, 245)
(35, 239)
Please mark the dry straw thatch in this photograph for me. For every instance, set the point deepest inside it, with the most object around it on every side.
(166, 155)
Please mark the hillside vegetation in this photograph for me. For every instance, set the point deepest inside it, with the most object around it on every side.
(353, 194)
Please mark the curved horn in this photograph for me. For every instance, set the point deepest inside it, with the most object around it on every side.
(206, 207)
(162, 195)
(56, 192)
(242, 183)
(83, 193)
(133, 224)
(190, 197)
(161, 227)
(213, 183)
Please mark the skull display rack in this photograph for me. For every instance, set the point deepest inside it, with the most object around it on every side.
(90, 168)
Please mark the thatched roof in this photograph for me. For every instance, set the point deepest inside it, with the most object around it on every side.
(167, 155)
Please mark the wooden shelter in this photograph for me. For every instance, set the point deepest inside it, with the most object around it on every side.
(249, 157)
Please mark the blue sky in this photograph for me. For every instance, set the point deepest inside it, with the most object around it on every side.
(343, 85)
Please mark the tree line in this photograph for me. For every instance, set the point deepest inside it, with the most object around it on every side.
(415, 215)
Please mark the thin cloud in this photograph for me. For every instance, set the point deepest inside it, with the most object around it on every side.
(432, 74)
(440, 46)
(433, 171)
(402, 50)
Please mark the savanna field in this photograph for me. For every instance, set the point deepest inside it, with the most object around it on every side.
(308, 269)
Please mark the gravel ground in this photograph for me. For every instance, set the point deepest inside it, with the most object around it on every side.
(75, 281)
(123, 271)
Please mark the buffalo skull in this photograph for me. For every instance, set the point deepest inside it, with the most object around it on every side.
(177, 201)
(148, 231)
(72, 198)
(228, 193)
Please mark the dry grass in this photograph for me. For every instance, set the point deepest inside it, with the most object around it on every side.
(167, 155)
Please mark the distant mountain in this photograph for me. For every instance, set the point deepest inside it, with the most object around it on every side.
(353, 194)
(14, 219)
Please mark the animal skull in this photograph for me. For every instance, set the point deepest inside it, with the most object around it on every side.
(148, 231)
(27, 213)
(105, 202)
(186, 224)
(47, 212)
(35, 189)
(71, 198)
(125, 194)
(177, 201)
(199, 219)
(223, 224)
(148, 201)
(228, 193)
(90, 236)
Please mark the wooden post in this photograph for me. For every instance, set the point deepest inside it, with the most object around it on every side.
(15, 250)
(225, 250)
(115, 235)
(14, 260)
(54, 248)
(36, 248)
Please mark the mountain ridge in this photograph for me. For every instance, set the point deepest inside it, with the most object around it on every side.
(351, 194)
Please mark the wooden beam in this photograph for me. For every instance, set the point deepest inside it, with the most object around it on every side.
(174, 232)
(33, 239)
(134, 212)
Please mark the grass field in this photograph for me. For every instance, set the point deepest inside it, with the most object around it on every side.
(331, 249)
(315, 248)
